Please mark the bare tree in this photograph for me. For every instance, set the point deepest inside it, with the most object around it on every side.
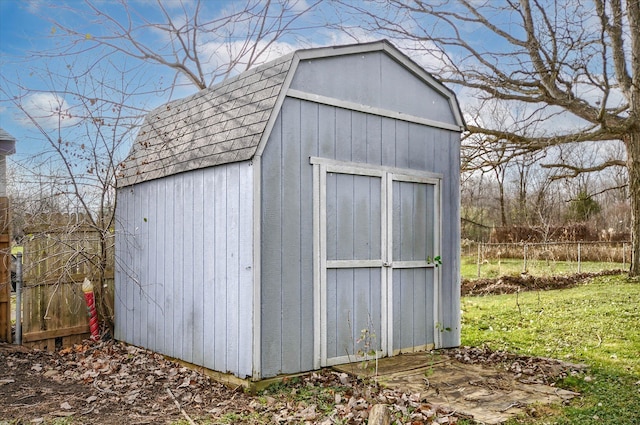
(85, 120)
(198, 43)
(575, 61)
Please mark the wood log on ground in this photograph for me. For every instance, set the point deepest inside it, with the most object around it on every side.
(379, 415)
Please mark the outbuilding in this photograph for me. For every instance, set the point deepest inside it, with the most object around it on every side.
(7, 147)
(294, 216)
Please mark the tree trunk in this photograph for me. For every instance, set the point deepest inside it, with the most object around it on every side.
(503, 214)
(632, 142)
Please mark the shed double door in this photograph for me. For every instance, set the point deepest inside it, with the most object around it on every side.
(377, 236)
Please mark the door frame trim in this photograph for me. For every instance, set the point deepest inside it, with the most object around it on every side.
(362, 169)
(322, 166)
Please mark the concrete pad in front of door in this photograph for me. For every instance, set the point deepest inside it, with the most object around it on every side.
(488, 394)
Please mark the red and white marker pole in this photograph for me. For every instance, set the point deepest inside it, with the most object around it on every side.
(87, 288)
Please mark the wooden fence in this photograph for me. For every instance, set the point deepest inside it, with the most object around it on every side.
(5, 274)
(58, 255)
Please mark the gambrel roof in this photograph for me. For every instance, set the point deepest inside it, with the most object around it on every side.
(229, 121)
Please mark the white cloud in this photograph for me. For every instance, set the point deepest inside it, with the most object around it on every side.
(48, 109)
(217, 56)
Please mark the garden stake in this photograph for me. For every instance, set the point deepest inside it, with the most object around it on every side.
(87, 288)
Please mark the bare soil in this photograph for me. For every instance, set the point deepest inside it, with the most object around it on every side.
(525, 282)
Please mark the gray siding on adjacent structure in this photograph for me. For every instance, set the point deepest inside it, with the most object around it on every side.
(185, 257)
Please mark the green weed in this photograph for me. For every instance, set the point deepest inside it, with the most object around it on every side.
(596, 323)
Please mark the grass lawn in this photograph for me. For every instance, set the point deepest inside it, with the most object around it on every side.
(513, 266)
(597, 323)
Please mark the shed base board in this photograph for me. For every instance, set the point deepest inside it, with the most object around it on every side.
(248, 384)
(405, 361)
(418, 349)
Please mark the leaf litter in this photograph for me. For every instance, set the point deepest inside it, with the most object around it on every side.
(113, 383)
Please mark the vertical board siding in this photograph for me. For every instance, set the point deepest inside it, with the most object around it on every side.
(185, 312)
(168, 282)
(291, 237)
(451, 275)
(178, 280)
(198, 276)
(412, 308)
(372, 79)
(209, 308)
(245, 273)
(309, 114)
(159, 271)
(271, 256)
(220, 270)
(184, 278)
(304, 129)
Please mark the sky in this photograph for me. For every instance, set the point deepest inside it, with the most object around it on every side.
(18, 26)
(26, 26)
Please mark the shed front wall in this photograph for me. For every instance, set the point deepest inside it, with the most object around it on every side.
(307, 129)
(184, 267)
(373, 79)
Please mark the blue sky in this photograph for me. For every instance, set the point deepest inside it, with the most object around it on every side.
(25, 27)
(20, 31)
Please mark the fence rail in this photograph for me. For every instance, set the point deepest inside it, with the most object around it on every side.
(57, 258)
(5, 276)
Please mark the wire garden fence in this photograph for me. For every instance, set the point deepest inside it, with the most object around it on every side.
(487, 260)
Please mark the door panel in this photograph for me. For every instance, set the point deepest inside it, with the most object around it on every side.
(413, 225)
(353, 217)
(353, 245)
(413, 307)
(353, 304)
(414, 240)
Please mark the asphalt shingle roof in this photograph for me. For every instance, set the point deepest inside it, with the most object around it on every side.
(215, 126)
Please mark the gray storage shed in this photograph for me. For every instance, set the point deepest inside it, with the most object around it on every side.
(264, 222)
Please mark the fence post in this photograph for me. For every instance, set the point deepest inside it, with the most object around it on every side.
(579, 252)
(19, 299)
(624, 255)
(479, 259)
(524, 265)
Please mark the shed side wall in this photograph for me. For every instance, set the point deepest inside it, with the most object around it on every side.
(184, 278)
(304, 129)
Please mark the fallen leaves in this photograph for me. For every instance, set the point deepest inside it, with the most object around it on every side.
(113, 383)
(529, 370)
